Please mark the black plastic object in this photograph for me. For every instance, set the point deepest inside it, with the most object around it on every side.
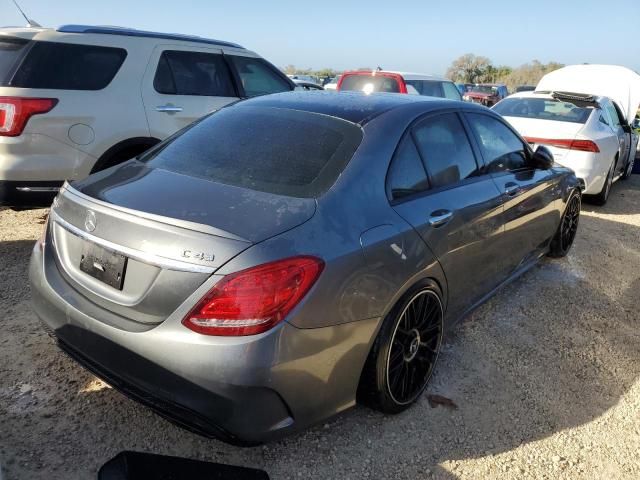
(149, 466)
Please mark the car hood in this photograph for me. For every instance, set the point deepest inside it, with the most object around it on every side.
(620, 84)
(235, 212)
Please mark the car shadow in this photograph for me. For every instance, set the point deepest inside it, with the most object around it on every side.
(554, 350)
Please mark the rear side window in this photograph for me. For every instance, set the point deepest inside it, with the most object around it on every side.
(543, 109)
(11, 51)
(445, 149)
(434, 88)
(66, 66)
(613, 114)
(193, 73)
(406, 174)
(279, 151)
(451, 91)
(259, 78)
(501, 148)
(370, 83)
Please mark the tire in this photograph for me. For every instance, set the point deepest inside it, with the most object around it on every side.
(602, 197)
(405, 351)
(565, 235)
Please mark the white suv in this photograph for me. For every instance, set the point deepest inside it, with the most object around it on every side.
(80, 99)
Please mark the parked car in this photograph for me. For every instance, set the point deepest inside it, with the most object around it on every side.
(333, 83)
(292, 254)
(487, 94)
(588, 131)
(525, 88)
(79, 99)
(308, 86)
(370, 81)
(305, 78)
(582, 131)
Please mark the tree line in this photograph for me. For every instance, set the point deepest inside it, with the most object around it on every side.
(468, 68)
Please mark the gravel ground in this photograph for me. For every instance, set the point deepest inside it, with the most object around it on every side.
(546, 376)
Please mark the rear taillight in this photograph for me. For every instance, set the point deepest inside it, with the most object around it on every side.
(253, 301)
(15, 112)
(581, 145)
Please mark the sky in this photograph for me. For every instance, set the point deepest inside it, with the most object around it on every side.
(422, 36)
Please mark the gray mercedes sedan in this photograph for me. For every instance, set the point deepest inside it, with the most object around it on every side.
(290, 255)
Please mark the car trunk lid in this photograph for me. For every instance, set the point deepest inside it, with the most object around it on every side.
(162, 233)
(538, 129)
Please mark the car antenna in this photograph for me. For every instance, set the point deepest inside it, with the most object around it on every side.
(30, 23)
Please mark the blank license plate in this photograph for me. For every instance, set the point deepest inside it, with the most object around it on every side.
(106, 266)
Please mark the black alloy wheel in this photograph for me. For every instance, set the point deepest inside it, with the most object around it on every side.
(565, 235)
(570, 221)
(415, 345)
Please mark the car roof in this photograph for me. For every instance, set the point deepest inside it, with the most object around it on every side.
(132, 32)
(355, 107)
(405, 75)
(30, 32)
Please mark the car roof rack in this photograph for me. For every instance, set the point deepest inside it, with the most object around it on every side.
(132, 32)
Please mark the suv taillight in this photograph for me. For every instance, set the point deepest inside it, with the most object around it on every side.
(15, 112)
(253, 301)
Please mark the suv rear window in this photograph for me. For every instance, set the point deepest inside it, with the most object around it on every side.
(369, 83)
(274, 150)
(434, 88)
(193, 73)
(543, 109)
(11, 51)
(66, 66)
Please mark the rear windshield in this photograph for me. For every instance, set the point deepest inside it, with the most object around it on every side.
(279, 151)
(11, 51)
(65, 66)
(544, 109)
(433, 88)
(369, 84)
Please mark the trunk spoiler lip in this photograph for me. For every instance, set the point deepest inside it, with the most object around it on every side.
(578, 99)
(87, 201)
(148, 258)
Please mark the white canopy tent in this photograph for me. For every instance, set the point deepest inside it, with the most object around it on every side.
(620, 84)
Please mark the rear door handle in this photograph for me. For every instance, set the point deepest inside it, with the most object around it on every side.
(511, 189)
(440, 217)
(168, 109)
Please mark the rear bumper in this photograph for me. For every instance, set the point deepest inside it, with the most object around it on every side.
(242, 390)
(591, 168)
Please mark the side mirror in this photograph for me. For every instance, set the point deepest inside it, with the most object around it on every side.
(626, 128)
(543, 158)
(636, 123)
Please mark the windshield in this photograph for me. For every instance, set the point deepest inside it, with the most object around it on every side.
(543, 109)
(370, 83)
(273, 150)
(11, 51)
(483, 89)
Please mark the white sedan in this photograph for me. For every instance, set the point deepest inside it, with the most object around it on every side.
(584, 132)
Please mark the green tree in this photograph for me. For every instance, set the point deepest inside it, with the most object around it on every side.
(469, 68)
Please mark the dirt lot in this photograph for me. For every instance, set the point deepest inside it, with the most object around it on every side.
(546, 376)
